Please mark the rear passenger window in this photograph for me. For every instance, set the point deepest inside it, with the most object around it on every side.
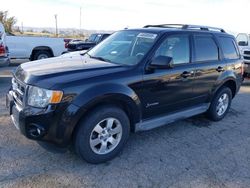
(205, 49)
(228, 48)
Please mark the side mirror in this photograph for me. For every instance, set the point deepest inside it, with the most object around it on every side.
(242, 43)
(162, 62)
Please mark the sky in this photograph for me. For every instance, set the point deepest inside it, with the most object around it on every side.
(232, 15)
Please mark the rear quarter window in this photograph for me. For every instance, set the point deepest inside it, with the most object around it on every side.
(229, 48)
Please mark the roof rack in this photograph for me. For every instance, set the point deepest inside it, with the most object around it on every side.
(185, 26)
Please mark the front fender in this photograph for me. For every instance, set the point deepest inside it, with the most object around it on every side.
(100, 93)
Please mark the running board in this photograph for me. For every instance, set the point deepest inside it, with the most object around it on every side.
(164, 120)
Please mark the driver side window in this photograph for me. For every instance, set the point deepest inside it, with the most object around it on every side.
(176, 47)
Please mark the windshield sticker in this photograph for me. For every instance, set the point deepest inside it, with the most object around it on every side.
(147, 35)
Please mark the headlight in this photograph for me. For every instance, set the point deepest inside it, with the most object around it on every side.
(41, 98)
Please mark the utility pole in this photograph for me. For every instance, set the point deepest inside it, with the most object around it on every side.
(22, 26)
(80, 18)
(56, 25)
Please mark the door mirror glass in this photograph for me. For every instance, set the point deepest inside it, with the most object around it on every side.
(242, 43)
(162, 62)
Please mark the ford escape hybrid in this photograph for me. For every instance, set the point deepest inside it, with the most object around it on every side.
(135, 80)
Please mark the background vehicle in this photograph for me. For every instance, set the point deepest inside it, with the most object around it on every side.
(243, 41)
(135, 80)
(76, 45)
(4, 55)
(34, 48)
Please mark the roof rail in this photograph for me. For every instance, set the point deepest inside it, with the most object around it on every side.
(186, 26)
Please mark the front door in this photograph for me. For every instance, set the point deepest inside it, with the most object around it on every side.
(169, 90)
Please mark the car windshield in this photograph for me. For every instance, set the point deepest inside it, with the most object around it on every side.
(124, 47)
(92, 38)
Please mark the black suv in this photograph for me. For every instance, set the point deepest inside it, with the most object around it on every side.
(94, 39)
(135, 80)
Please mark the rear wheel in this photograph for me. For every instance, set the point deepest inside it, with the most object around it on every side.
(102, 134)
(220, 104)
(41, 54)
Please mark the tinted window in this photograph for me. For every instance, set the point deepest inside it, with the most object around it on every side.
(205, 49)
(228, 48)
(98, 37)
(177, 47)
(92, 38)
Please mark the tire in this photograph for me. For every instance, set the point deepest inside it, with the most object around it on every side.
(41, 54)
(220, 104)
(93, 141)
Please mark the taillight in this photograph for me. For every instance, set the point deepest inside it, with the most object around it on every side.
(2, 50)
(66, 42)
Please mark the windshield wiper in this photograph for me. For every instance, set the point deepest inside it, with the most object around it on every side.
(100, 58)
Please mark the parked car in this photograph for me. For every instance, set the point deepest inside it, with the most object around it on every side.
(243, 41)
(77, 45)
(135, 80)
(34, 48)
(4, 55)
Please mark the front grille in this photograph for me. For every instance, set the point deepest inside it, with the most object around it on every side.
(18, 89)
(247, 52)
(246, 57)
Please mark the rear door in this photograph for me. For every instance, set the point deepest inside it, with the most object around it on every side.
(231, 54)
(209, 65)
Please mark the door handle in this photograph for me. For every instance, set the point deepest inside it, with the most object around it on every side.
(220, 69)
(186, 74)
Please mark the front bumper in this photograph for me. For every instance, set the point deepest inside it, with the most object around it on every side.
(51, 124)
(247, 70)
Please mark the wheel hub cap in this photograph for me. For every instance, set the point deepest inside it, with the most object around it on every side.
(222, 104)
(105, 136)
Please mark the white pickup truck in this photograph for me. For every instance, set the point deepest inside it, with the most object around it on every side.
(33, 48)
(4, 55)
(243, 41)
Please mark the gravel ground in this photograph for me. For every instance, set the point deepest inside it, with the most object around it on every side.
(191, 153)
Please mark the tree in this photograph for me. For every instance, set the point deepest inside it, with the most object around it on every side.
(45, 31)
(8, 22)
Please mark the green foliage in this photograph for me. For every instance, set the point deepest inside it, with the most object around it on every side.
(8, 22)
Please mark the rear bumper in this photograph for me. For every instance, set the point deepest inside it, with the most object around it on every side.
(4, 61)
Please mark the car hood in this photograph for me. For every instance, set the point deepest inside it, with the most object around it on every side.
(45, 73)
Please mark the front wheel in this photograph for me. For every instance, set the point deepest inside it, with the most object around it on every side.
(220, 104)
(102, 134)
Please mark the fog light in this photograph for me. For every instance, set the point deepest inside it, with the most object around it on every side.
(35, 131)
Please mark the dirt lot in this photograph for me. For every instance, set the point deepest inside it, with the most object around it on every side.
(191, 153)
